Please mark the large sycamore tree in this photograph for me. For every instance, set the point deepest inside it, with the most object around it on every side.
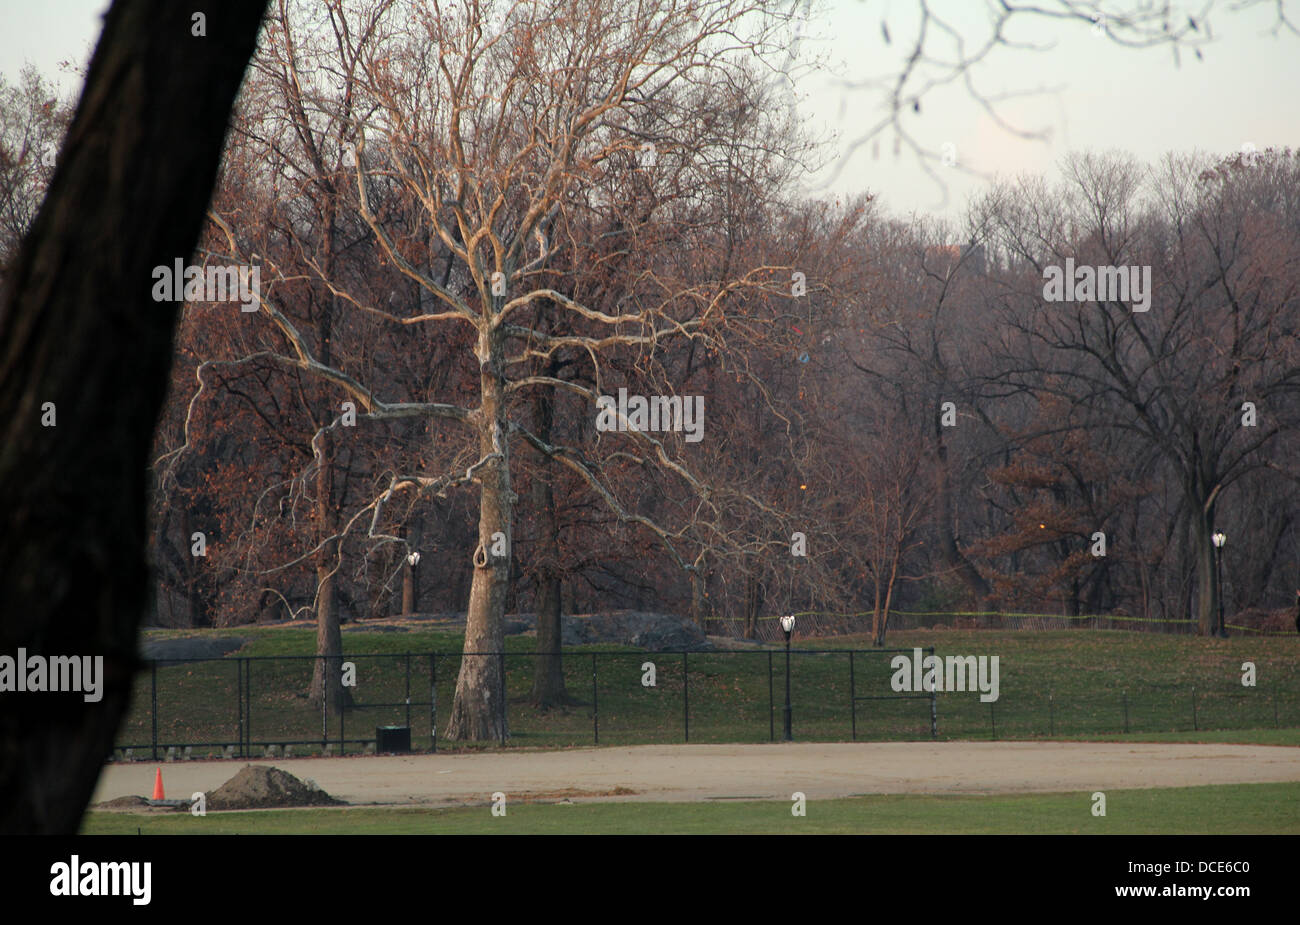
(482, 149)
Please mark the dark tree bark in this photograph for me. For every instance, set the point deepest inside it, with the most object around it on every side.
(411, 574)
(79, 327)
(755, 598)
(950, 553)
(697, 596)
(548, 677)
(327, 673)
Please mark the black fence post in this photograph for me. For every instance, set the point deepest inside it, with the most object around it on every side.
(408, 690)
(993, 717)
(153, 707)
(1195, 724)
(502, 663)
(853, 702)
(343, 733)
(1126, 712)
(239, 699)
(1051, 714)
(934, 704)
(324, 718)
(771, 700)
(246, 747)
(595, 702)
(1275, 707)
(686, 696)
(433, 699)
(934, 714)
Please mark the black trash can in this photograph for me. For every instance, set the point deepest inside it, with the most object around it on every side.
(392, 739)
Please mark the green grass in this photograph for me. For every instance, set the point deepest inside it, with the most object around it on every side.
(1222, 810)
(1207, 736)
(1053, 683)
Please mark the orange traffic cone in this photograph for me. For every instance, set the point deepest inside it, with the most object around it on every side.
(157, 786)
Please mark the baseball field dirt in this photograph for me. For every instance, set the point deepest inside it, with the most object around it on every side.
(684, 773)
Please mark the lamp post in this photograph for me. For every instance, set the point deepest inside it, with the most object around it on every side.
(787, 625)
(1219, 539)
(410, 583)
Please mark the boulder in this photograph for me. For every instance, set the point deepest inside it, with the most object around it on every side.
(164, 651)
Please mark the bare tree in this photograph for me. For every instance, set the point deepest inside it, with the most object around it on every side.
(532, 115)
(32, 122)
(1206, 375)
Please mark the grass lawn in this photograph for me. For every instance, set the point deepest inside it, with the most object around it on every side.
(1068, 684)
(1210, 736)
(1226, 810)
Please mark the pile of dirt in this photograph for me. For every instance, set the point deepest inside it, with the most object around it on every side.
(262, 787)
(124, 803)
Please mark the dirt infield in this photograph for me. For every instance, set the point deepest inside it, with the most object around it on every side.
(684, 773)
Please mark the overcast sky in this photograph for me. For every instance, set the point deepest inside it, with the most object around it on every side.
(1095, 95)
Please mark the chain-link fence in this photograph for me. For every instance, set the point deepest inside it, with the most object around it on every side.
(246, 705)
(816, 623)
(255, 706)
(1144, 708)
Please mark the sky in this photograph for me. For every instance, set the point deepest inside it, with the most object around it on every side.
(1078, 89)
(1086, 93)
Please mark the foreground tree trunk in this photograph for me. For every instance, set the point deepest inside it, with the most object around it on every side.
(79, 328)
